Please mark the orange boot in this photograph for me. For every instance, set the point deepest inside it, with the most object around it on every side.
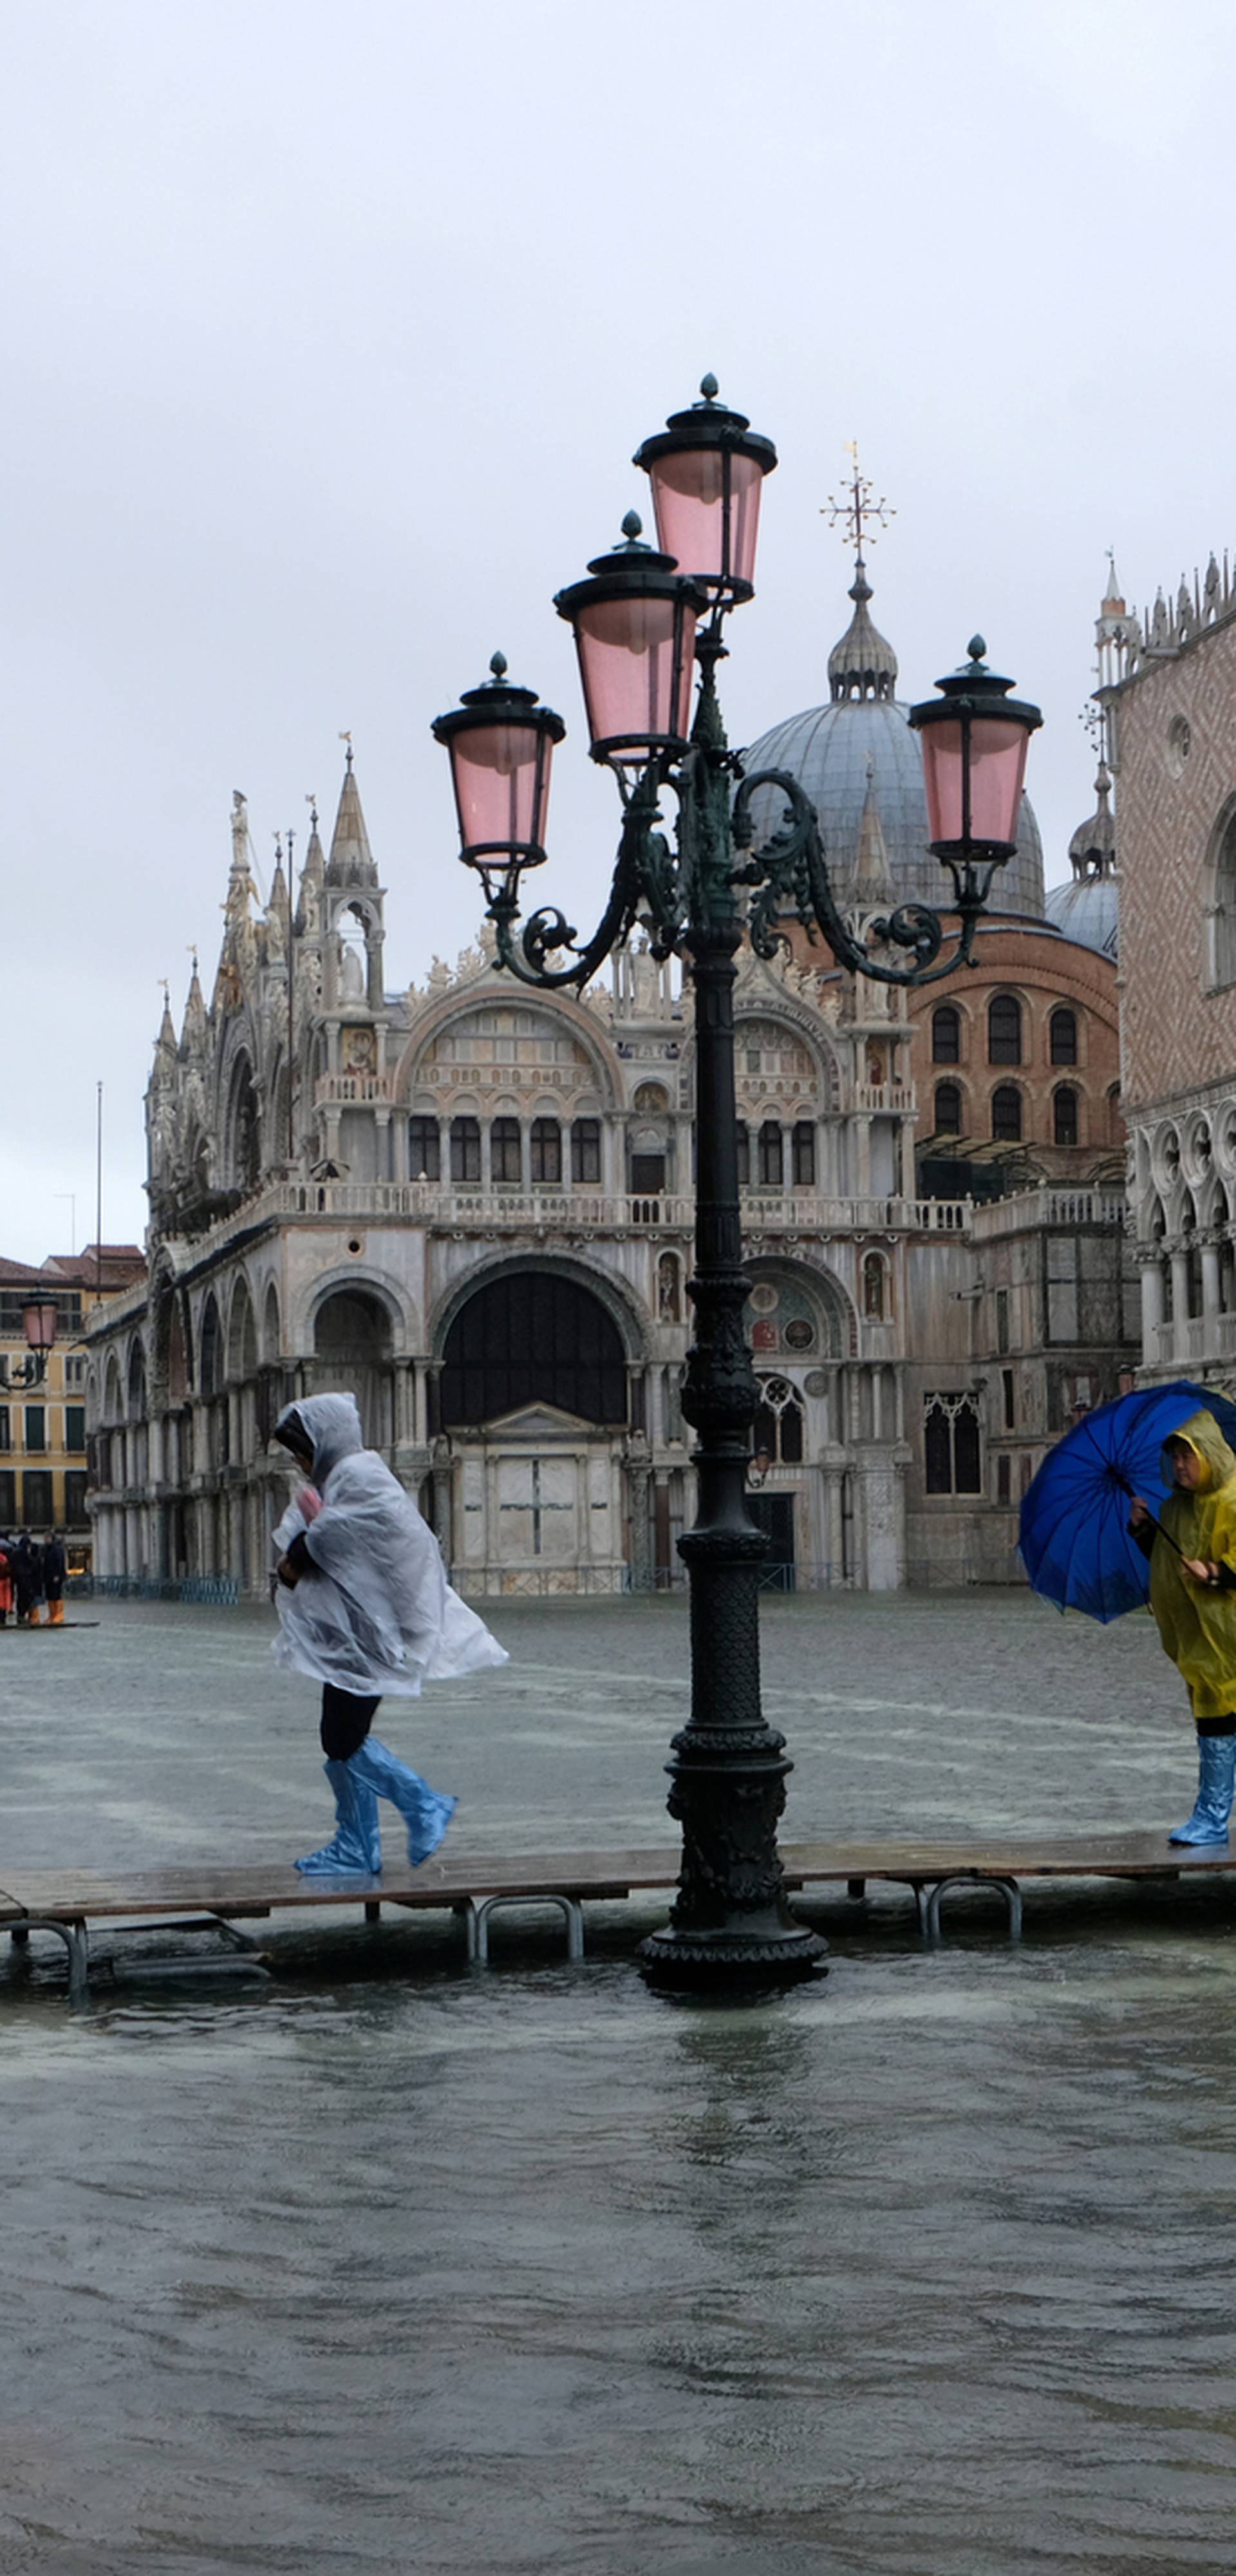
(55, 1614)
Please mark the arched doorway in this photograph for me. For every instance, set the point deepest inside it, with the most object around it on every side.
(352, 1352)
(533, 1337)
(532, 1403)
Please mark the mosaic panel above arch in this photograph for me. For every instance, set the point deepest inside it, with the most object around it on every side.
(774, 1064)
(800, 1320)
(505, 1046)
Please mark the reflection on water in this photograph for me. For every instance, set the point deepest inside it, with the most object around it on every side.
(923, 2269)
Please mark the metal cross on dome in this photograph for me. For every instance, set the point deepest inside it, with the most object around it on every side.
(858, 513)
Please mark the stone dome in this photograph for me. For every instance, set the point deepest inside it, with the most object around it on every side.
(1087, 908)
(860, 741)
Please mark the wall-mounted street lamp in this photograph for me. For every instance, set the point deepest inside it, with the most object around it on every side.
(38, 1322)
(640, 619)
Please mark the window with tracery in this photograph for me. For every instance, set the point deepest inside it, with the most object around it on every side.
(779, 1421)
(951, 1444)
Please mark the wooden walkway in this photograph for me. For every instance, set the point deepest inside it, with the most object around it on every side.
(474, 1886)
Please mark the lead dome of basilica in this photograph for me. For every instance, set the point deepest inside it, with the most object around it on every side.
(862, 741)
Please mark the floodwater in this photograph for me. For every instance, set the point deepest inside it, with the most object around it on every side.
(385, 2265)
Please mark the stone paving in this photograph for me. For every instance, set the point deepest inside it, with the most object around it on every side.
(165, 1733)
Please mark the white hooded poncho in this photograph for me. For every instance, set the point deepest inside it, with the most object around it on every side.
(378, 1614)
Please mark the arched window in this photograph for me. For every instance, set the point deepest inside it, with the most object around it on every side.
(770, 1158)
(209, 1349)
(1004, 1029)
(533, 1338)
(1063, 1033)
(744, 1155)
(352, 1348)
(1006, 1114)
(465, 1149)
(546, 1149)
(1223, 916)
(1064, 1115)
(778, 1427)
(506, 1161)
(586, 1150)
(669, 1289)
(803, 1150)
(946, 1035)
(948, 1109)
(425, 1149)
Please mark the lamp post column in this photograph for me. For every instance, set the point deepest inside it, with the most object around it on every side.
(729, 1767)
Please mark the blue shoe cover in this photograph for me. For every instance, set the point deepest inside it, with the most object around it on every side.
(1216, 1770)
(425, 1812)
(355, 1848)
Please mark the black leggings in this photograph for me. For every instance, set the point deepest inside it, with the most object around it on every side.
(346, 1721)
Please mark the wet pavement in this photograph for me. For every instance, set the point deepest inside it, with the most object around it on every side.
(386, 2265)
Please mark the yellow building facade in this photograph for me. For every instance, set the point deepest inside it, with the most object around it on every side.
(43, 1465)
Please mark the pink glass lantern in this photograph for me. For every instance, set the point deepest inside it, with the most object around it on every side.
(634, 623)
(501, 744)
(975, 738)
(707, 468)
(38, 1318)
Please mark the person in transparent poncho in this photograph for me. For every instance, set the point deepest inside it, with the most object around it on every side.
(365, 1608)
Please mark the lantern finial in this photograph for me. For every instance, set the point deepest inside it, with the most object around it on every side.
(498, 665)
(977, 648)
(708, 388)
(632, 527)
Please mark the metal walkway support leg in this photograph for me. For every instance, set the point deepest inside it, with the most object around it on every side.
(76, 1940)
(1006, 1887)
(476, 1911)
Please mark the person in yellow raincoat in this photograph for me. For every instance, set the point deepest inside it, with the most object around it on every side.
(1193, 1596)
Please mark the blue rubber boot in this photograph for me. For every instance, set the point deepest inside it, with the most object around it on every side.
(1216, 1770)
(425, 1813)
(355, 1848)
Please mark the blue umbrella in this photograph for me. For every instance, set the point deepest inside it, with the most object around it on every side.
(1075, 1543)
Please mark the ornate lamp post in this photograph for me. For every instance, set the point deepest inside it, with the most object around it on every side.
(640, 618)
(38, 1323)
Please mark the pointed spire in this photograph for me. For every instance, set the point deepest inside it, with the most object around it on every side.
(873, 875)
(1113, 598)
(863, 664)
(193, 1030)
(165, 1043)
(312, 879)
(351, 860)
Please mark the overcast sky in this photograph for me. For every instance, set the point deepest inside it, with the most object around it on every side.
(329, 335)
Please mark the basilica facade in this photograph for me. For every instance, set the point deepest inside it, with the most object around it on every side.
(472, 1203)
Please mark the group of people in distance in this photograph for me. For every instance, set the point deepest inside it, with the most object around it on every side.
(31, 1576)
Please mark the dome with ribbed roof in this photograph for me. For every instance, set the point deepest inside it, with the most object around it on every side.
(859, 749)
(1087, 908)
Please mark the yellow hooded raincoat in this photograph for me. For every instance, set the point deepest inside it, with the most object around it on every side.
(1198, 1627)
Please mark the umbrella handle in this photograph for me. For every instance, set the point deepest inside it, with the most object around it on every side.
(1156, 1525)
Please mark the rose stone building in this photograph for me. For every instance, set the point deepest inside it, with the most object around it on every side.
(472, 1203)
(1170, 697)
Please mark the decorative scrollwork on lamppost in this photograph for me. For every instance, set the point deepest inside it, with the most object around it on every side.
(642, 618)
(39, 1319)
